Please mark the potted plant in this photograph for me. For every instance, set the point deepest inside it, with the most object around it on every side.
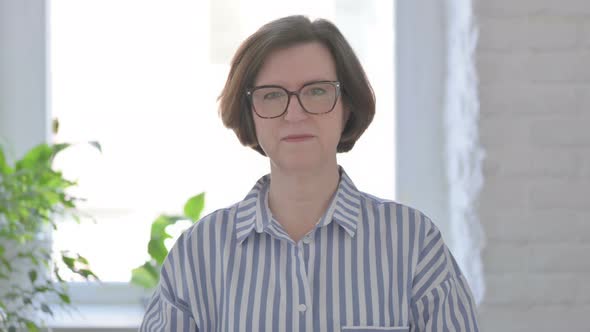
(148, 274)
(32, 198)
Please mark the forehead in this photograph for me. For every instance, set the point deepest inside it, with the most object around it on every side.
(296, 65)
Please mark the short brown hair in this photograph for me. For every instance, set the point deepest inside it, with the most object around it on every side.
(357, 95)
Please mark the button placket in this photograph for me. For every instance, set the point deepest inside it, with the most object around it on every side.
(302, 307)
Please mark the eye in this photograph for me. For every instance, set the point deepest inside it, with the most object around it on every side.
(273, 95)
(317, 91)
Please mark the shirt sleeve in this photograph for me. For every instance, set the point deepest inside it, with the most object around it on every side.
(162, 315)
(166, 311)
(442, 299)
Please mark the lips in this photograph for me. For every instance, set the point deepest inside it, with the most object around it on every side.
(297, 137)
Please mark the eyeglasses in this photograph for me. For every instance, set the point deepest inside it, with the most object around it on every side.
(272, 101)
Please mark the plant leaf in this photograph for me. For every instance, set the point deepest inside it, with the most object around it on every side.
(32, 327)
(57, 148)
(156, 247)
(82, 259)
(86, 273)
(65, 298)
(6, 263)
(157, 250)
(41, 289)
(57, 275)
(33, 276)
(69, 261)
(55, 126)
(145, 276)
(194, 206)
(4, 168)
(159, 227)
(38, 156)
(45, 308)
(96, 144)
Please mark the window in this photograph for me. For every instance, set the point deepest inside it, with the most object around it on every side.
(142, 78)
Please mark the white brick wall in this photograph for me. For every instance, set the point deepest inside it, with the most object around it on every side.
(533, 60)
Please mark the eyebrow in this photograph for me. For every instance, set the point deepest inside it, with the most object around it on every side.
(304, 83)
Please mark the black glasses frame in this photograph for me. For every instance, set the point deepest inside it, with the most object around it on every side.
(250, 93)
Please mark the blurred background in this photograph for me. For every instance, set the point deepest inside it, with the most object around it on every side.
(483, 109)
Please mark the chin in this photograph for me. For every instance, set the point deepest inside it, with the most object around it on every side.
(297, 162)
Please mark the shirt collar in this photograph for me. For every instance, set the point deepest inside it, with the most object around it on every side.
(253, 213)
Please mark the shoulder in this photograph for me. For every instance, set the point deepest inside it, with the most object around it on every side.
(401, 214)
(410, 227)
(202, 239)
(418, 234)
(206, 235)
(220, 218)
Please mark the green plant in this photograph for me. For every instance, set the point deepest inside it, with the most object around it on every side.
(148, 274)
(32, 198)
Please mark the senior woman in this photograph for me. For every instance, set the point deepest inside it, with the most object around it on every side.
(306, 250)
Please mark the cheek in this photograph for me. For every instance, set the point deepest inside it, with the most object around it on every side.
(259, 130)
(264, 132)
(333, 128)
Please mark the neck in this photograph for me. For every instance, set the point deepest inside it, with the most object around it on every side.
(298, 199)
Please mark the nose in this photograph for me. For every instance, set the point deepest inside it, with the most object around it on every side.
(295, 111)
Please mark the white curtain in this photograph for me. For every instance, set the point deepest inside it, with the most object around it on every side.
(464, 153)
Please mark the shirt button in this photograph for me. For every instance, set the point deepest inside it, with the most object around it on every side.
(302, 307)
(307, 239)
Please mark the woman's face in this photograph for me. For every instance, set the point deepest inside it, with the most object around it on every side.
(292, 68)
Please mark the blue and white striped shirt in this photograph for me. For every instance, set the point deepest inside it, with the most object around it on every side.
(368, 265)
